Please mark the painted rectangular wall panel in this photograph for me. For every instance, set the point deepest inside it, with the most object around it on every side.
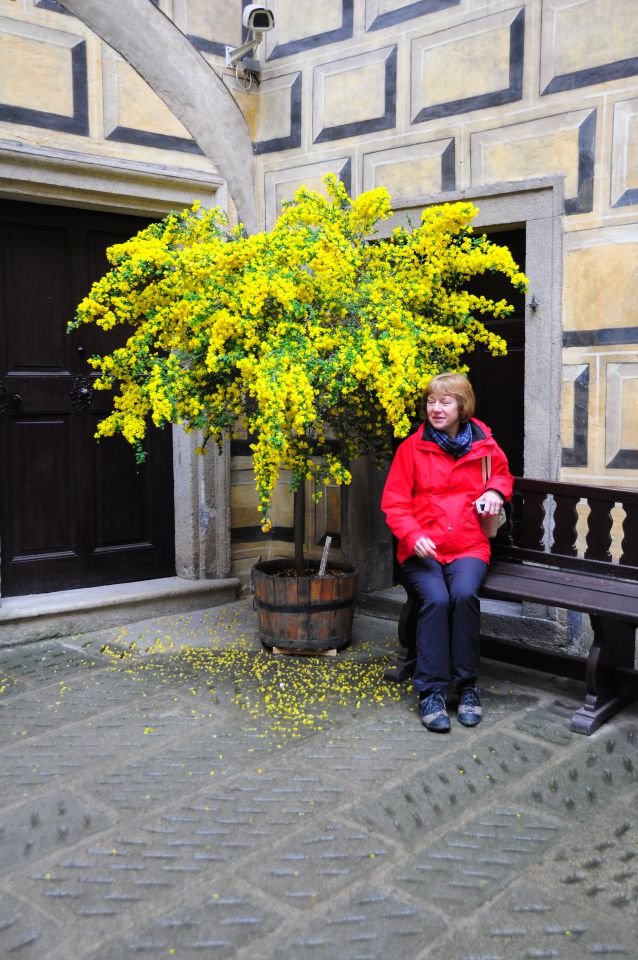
(472, 66)
(46, 85)
(531, 157)
(421, 168)
(621, 423)
(296, 19)
(575, 414)
(355, 96)
(282, 185)
(209, 23)
(304, 25)
(273, 117)
(624, 160)
(561, 144)
(600, 285)
(244, 499)
(386, 13)
(587, 41)
(130, 102)
(438, 64)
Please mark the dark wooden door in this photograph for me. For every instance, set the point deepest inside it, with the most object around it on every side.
(499, 382)
(75, 512)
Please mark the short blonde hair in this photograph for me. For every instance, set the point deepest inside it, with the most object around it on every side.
(455, 385)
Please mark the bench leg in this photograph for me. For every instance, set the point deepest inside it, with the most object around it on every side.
(613, 646)
(405, 661)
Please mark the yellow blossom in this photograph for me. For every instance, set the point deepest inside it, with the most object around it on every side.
(317, 341)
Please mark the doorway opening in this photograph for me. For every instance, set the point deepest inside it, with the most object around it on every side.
(499, 382)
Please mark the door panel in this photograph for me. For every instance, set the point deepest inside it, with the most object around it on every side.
(37, 267)
(118, 521)
(42, 522)
(75, 512)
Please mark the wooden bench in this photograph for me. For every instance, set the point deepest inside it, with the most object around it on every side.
(556, 551)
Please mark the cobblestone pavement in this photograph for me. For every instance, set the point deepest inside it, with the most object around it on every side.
(172, 790)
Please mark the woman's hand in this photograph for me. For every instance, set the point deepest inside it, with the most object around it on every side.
(424, 547)
(492, 503)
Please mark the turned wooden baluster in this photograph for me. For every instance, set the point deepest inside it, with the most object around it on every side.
(629, 543)
(565, 520)
(599, 524)
(533, 520)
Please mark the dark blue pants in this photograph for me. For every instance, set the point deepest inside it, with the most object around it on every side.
(448, 627)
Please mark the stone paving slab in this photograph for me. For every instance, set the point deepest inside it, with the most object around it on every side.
(378, 750)
(10, 684)
(24, 932)
(302, 870)
(470, 865)
(602, 862)
(89, 749)
(53, 707)
(156, 856)
(367, 752)
(530, 923)
(370, 923)
(60, 819)
(42, 663)
(551, 724)
(217, 925)
(598, 771)
(220, 825)
(176, 770)
(36, 762)
(438, 793)
(88, 741)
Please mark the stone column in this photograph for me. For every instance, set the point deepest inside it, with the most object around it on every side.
(365, 538)
(202, 508)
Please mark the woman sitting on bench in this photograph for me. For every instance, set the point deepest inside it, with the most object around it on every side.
(443, 479)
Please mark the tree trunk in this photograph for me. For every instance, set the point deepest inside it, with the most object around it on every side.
(299, 525)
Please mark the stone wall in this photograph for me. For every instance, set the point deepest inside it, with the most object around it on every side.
(425, 97)
(63, 88)
(449, 97)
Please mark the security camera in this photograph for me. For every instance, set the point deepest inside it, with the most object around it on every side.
(257, 18)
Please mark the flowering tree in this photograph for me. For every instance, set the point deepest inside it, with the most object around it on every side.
(313, 337)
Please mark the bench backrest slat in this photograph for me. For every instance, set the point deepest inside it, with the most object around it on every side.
(571, 525)
(599, 530)
(565, 520)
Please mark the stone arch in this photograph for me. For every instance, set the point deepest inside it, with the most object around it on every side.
(177, 73)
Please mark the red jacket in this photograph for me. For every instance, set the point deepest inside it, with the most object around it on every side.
(429, 493)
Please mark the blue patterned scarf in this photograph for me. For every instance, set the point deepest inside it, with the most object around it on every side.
(456, 446)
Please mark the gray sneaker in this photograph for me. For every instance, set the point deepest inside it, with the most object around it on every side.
(470, 710)
(434, 715)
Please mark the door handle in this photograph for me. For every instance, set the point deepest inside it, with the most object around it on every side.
(81, 393)
(6, 398)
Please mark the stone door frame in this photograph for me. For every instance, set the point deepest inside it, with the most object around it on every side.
(537, 206)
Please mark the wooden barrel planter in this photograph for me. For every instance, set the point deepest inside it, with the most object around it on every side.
(304, 613)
